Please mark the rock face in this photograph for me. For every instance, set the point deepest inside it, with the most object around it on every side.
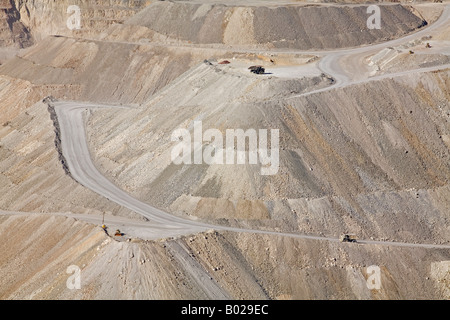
(372, 158)
(311, 27)
(48, 17)
(13, 32)
(361, 154)
(43, 255)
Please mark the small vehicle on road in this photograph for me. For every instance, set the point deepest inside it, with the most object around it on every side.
(347, 237)
(257, 69)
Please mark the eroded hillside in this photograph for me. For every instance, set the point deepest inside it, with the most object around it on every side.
(203, 266)
(272, 26)
(370, 158)
(337, 156)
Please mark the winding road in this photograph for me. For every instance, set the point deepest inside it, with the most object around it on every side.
(71, 117)
(347, 66)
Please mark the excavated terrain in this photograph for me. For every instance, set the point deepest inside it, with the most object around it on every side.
(337, 156)
(371, 158)
(203, 266)
(273, 27)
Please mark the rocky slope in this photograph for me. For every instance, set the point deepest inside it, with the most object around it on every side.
(338, 156)
(371, 159)
(13, 33)
(32, 176)
(38, 251)
(47, 17)
(274, 27)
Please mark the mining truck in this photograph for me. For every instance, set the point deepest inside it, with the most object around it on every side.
(348, 238)
(257, 69)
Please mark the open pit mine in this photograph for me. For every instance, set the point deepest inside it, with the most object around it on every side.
(224, 150)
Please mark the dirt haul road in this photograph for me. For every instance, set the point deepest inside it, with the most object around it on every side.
(76, 152)
(71, 118)
(347, 66)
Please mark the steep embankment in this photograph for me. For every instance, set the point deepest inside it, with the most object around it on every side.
(102, 71)
(85, 70)
(33, 178)
(13, 33)
(38, 250)
(370, 159)
(46, 17)
(352, 159)
(300, 27)
(31, 173)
